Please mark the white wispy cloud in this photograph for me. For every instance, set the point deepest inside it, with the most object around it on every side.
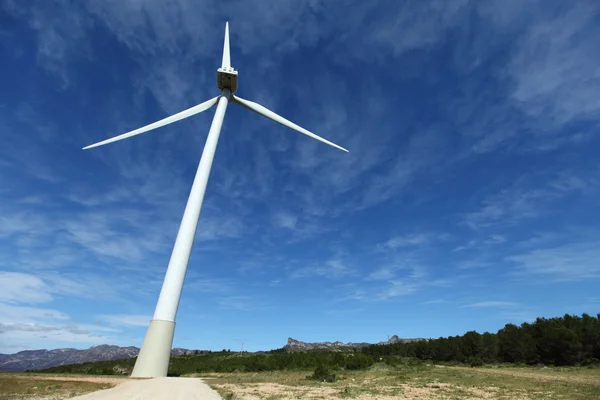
(404, 265)
(554, 66)
(491, 304)
(410, 267)
(60, 36)
(31, 327)
(410, 240)
(398, 288)
(495, 239)
(383, 274)
(20, 314)
(564, 262)
(331, 269)
(125, 319)
(529, 197)
(541, 239)
(436, 301)
(207, 284)
(285, 220)
(23, 288)
(236, 302)
(474, 263)
(36, 335)
(475, 244)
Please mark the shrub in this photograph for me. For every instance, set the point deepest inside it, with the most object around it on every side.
(322, 373)
(358, 361)
(475, 362)
(590, 362)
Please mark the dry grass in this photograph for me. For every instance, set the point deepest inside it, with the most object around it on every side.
(567, 374)
(422, 382)
(50, 387)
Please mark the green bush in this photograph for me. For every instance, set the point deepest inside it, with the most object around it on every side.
(475, 362)
(358, 361)
(590, 362)
(323, 374)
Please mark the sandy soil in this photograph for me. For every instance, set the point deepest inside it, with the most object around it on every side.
(259, 391)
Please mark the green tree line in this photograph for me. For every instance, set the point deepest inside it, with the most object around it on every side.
(233, 362)
(567, 340)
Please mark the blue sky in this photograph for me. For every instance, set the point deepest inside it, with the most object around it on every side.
(469, 199)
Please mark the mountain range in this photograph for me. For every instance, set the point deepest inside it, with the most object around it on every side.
(40, 359)
(293, 344)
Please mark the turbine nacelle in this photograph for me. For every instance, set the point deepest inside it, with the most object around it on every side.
(227, 78)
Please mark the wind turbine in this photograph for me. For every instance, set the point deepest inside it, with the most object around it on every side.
(155, 353)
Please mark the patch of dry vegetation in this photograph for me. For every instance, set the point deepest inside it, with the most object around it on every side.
(424, 382)
(563, 374)
(40, 387)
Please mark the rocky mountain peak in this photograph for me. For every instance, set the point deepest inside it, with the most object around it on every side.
(294, 344)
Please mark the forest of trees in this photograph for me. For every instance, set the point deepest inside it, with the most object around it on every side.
(567, 340)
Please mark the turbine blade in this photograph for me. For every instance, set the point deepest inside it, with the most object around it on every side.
(176, 117)
(226, 59)
(265, 112)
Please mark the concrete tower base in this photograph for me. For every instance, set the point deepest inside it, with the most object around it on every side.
(153, 360)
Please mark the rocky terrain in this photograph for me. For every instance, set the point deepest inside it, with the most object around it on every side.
(39, 359)
(293, 344)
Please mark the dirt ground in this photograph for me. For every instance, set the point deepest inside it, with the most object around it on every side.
(381, 382)
(404, 391)
(49, 387)
(426, 383)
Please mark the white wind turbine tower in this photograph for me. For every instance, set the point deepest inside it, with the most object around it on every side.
(154, 356)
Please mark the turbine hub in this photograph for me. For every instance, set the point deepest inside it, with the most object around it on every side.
(227, 79)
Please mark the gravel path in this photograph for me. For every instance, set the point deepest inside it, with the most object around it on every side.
(156, 389)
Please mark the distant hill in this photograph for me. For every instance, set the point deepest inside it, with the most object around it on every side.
(40, 359)
(293, 344)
